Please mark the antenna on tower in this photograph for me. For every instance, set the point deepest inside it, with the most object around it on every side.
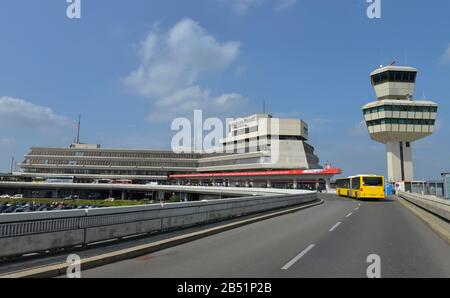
(12, 164)
(78, 130)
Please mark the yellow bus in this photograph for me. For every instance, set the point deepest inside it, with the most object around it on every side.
(361, 187)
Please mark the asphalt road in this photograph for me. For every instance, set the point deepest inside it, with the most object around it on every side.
(331, 240)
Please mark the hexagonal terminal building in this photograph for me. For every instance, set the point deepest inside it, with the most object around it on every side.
(397, 120)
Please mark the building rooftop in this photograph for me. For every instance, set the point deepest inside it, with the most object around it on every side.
(393, 68)
(400, 102)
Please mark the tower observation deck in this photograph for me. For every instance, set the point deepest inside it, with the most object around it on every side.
(396, 119)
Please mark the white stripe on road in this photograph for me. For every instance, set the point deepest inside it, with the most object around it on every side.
(350, 214)
(356, 209)
(298, 257)
(335, 226)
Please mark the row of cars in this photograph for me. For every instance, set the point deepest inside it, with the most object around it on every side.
(39, 207)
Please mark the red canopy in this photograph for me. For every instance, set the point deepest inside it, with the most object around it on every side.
(261, 173)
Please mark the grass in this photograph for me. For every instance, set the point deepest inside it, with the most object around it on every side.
(117, 203)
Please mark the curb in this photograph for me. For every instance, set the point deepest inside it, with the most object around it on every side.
(129, 253)
(430, 219)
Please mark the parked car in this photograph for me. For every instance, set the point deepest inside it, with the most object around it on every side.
(43, 207)
(5, 196)
(4, 207)
(10, 209)
(18, 196)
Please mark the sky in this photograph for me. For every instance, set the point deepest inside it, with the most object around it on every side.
(131, 67)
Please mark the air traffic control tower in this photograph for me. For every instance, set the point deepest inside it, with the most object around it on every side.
(397, 120)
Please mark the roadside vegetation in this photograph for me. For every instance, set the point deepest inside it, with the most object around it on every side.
(174, 199)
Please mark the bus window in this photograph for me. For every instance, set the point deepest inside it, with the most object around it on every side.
(373, 181)
(356, 182)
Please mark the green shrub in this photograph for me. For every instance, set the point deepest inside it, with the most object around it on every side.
(174, 199)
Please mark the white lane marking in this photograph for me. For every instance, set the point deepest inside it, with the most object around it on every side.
(298, 257)
(359, 205)
(356, 209)
(335, 226)
(350, 214)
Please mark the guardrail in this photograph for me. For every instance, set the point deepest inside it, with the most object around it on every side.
(38, 232)
(435, 205)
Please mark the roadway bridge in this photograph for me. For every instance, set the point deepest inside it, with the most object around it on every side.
(37, 232)
(332, 239)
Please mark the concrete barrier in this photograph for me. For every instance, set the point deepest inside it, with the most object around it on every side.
(35, 232)
(435, 205)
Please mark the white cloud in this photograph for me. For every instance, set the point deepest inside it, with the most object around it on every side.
(20, 113)
(171, 64)
(226, 100)
(445, 59)
(243, 6)
(184, 101)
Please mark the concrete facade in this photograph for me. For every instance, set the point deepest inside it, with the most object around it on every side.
(255, 143)
(399, 161)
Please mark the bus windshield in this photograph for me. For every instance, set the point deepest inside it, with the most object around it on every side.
(373, 181)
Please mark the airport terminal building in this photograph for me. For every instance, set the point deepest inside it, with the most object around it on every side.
(259, 151)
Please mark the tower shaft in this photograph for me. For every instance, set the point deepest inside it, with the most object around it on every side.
(399, 161)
